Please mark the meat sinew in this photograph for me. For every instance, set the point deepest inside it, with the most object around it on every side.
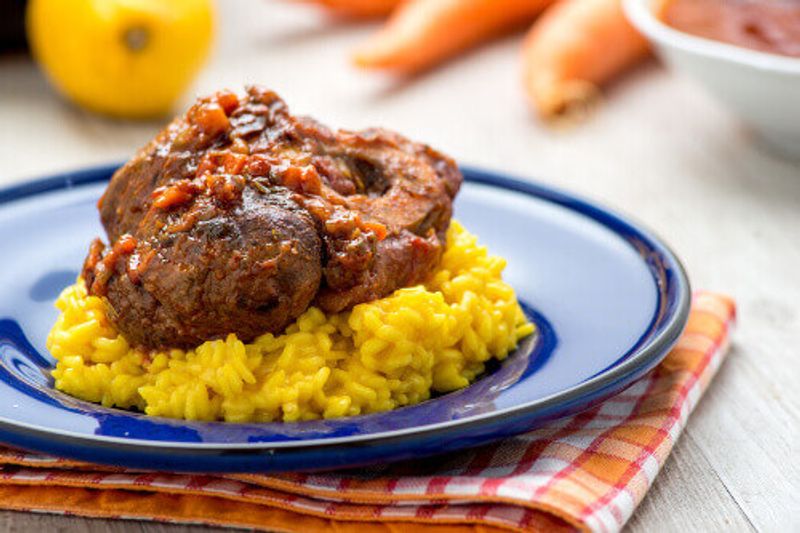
(238, 216)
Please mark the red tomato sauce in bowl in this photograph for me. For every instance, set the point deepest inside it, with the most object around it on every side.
(771, 26)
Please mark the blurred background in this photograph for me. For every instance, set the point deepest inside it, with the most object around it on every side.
(656, 146)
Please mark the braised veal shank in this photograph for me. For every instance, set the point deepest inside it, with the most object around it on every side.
(238, 216)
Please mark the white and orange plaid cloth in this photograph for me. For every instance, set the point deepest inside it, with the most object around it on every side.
(587, 472)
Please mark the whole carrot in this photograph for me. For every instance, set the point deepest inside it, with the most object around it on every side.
(359, 8)
(422, 33)
(572, 49)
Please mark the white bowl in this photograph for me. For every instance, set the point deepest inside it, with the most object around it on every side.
(762, 88)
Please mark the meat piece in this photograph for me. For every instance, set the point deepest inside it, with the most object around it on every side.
(238, 216)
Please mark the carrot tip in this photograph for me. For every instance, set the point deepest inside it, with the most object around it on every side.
(373, 57)
(363, 59)
(567, 103)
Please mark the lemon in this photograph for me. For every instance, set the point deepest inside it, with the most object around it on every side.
(125, 58)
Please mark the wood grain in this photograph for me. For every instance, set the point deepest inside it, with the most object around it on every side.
(17, 522)
(689, 496)
(660, 150)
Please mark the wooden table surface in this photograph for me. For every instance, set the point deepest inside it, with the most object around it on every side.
(659, 150)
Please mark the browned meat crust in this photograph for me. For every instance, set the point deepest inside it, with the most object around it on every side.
(238, 216)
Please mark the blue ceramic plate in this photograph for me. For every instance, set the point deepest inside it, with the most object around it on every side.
(609, 298)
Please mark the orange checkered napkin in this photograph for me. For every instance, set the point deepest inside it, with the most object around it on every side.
(587, 472)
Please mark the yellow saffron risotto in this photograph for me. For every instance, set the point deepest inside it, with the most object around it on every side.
(378, 356)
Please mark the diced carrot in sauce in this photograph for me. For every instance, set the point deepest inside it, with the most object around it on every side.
(221, 163)
(377, 228)
(318, 208)
(211, 119)
(228, 101)
(177, 194)
(302, 179)
(292, 178)
(239, 146)
(233, 163)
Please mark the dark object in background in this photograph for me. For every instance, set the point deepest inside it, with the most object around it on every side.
(12, 26)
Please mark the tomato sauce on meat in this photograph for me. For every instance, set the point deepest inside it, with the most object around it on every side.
(239, 215)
